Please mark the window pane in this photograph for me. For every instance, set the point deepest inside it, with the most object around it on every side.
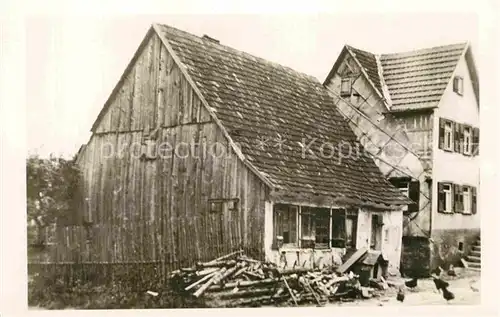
(285, 222)
(322, 224)
(338, 228)
(351, 227)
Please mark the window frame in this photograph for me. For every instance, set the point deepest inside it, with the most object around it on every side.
(448, 197)
(467, 137)
(458, 85)
(291, 210)
(467, 208)
(348, 91)
(448, 129)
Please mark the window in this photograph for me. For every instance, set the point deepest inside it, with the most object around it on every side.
(338, 228)
(217, 205)
(448, 136)
(351, 227)
(445, 197)
(460, 246)
(315, 227)
(475, 141)
(404, 191)
(467, 140)
(409, 188)
(458, 85)
(345, 87)
(466, 193)
(285, 225)
(458, 137)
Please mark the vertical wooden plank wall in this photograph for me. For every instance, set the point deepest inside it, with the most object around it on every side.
(157, 209)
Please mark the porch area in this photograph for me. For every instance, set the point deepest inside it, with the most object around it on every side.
(316, 237)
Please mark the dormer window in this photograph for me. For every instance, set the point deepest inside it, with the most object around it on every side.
(458, 85)
(345, 87)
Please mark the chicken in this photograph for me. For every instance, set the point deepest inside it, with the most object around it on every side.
(401, 295)
(448, 295)
(440, 284)
(473, 286)
(437, 271)
(411, 283)
(451, 271)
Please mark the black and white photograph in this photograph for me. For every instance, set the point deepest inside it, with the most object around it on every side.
(254, 160)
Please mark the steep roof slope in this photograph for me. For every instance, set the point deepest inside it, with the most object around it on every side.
(419, 78)
(369, 62)
(416, 79)
(273, 112)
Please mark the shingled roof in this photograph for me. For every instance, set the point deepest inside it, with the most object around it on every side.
(415, 79)
(263, 104)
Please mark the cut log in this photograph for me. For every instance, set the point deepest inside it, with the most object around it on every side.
(215, 264)
(243, 269)
(289, 290)
(227, 256)
(203, 279)
(253, 275)
(214, 280)
(207, 271)
(242, 294)
(243, 284)
(336, 280)
(297, 270)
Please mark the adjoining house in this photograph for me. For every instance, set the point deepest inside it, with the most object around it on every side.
(202, 149)
(417, 114)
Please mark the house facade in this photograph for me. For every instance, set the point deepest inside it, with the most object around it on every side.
(417, 114)
(202, 149)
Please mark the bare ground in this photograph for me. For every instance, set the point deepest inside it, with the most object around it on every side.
(466, 287)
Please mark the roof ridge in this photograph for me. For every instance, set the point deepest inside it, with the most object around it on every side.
(426, 48)
(239, 52)
(465, 43)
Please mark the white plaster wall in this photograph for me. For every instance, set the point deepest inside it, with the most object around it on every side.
(450, 166)
(392, 234)
(363, 236)
(268, 230)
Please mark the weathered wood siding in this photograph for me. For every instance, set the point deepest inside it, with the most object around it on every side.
(157, 209)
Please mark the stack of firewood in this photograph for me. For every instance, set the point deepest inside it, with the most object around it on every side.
(236, 280)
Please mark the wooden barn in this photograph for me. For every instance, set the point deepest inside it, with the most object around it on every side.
(202, 149)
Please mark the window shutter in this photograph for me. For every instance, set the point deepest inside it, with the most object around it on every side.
(475, 141)
(441, 197)
(473, 199)
(456, 198)
(460, 198)
(456, 136)
(452, 188)
(462, 127)
(414, 194)
(345, 87)
(441, 133)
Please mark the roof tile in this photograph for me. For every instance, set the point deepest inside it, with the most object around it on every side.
(255, 98)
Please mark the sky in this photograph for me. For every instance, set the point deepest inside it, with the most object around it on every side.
(73, 62)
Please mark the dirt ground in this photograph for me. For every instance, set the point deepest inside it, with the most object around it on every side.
(466, 287)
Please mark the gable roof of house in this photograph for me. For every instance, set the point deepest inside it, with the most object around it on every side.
(273, 113)
(259, 101)
(416, 79)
